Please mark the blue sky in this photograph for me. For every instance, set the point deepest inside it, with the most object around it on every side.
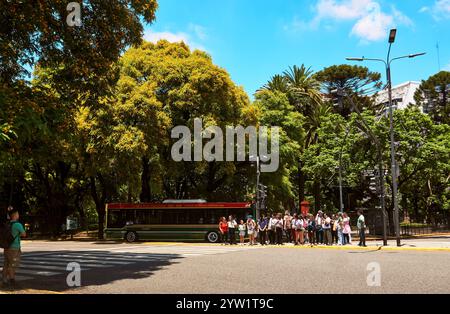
(255, 39)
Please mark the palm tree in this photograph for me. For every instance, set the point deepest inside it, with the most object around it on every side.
(276, 83)
(304, 89)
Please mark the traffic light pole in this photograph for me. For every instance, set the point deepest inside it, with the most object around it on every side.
(258, 199)
(380, 163)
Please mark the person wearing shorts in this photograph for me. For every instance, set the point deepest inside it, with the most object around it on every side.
(251, 230)
(12, 255)
(242, 229)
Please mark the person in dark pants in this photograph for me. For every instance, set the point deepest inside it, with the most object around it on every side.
(262, 225)
(232, 225)
(279, 230)
(223, 229)
(271, 230)
(361, 224)
(319, 230)
(334, 231)
(311, 230)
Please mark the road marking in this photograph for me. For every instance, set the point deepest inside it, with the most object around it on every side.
(35, 272)
(81, 260)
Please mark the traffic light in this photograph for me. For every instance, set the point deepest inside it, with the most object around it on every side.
(373, 185)
(262, 189)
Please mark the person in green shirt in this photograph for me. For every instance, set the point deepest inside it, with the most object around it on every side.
(361, 224)
(12, 254)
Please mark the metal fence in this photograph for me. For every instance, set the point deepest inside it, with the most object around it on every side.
(417, 229)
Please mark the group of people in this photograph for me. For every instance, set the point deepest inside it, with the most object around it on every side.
(277, 229)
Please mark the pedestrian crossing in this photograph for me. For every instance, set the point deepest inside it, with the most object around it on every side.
(42, 265)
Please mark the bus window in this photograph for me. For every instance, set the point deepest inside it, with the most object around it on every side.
(155, 217)
(142, 217)
(116, 219)
(196, 216)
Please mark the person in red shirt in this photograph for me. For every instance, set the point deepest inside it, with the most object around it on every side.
(223, 229)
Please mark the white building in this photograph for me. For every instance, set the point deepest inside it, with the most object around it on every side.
(402, 95)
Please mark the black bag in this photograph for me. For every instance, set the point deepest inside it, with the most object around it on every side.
(6, 237)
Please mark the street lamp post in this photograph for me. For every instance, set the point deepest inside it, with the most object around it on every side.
(387, 64)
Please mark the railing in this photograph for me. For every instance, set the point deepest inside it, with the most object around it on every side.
(422, 229)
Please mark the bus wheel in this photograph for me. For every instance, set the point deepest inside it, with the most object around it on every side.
(212, 237)
(131, 237)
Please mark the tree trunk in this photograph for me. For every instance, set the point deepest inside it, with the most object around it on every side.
(99, 207)
(146, 193)
(317, 198)
(301, 182)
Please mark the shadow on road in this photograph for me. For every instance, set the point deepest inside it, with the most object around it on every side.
(46, 270)
(364, 252)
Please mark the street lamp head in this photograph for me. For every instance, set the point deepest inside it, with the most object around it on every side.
(392, 35)
(417, 55)
(355, 59)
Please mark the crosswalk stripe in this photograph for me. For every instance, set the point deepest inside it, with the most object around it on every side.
(108, 259)
(51, 263)
(81, 260)
(36, 272)
(48, 267)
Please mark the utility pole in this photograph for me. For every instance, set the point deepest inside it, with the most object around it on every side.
(394, 166)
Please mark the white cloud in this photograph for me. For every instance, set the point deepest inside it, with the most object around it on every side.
(373, 26)
(447, 67)
(193, 38)
(440, 10)
(370, 22)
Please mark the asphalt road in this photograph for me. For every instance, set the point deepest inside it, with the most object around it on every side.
(198, 269)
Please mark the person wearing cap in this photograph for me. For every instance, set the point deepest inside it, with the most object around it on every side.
(12, 254)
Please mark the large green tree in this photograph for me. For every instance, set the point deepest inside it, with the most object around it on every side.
(357, 81)
(433, 97)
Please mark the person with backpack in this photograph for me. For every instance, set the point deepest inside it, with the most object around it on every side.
(319, 230)
(361, 224)
(11, 233)
(311, 230)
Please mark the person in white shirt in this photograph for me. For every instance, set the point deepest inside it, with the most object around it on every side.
(251, 230)
(232, 224)
(271, 229)
(326, 227)
(242, 229)
(279, 229)
(319, 230)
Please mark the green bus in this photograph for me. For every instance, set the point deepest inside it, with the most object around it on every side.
(172, 220)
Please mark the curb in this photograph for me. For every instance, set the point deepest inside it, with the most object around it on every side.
(369, 248)
(341, 248)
